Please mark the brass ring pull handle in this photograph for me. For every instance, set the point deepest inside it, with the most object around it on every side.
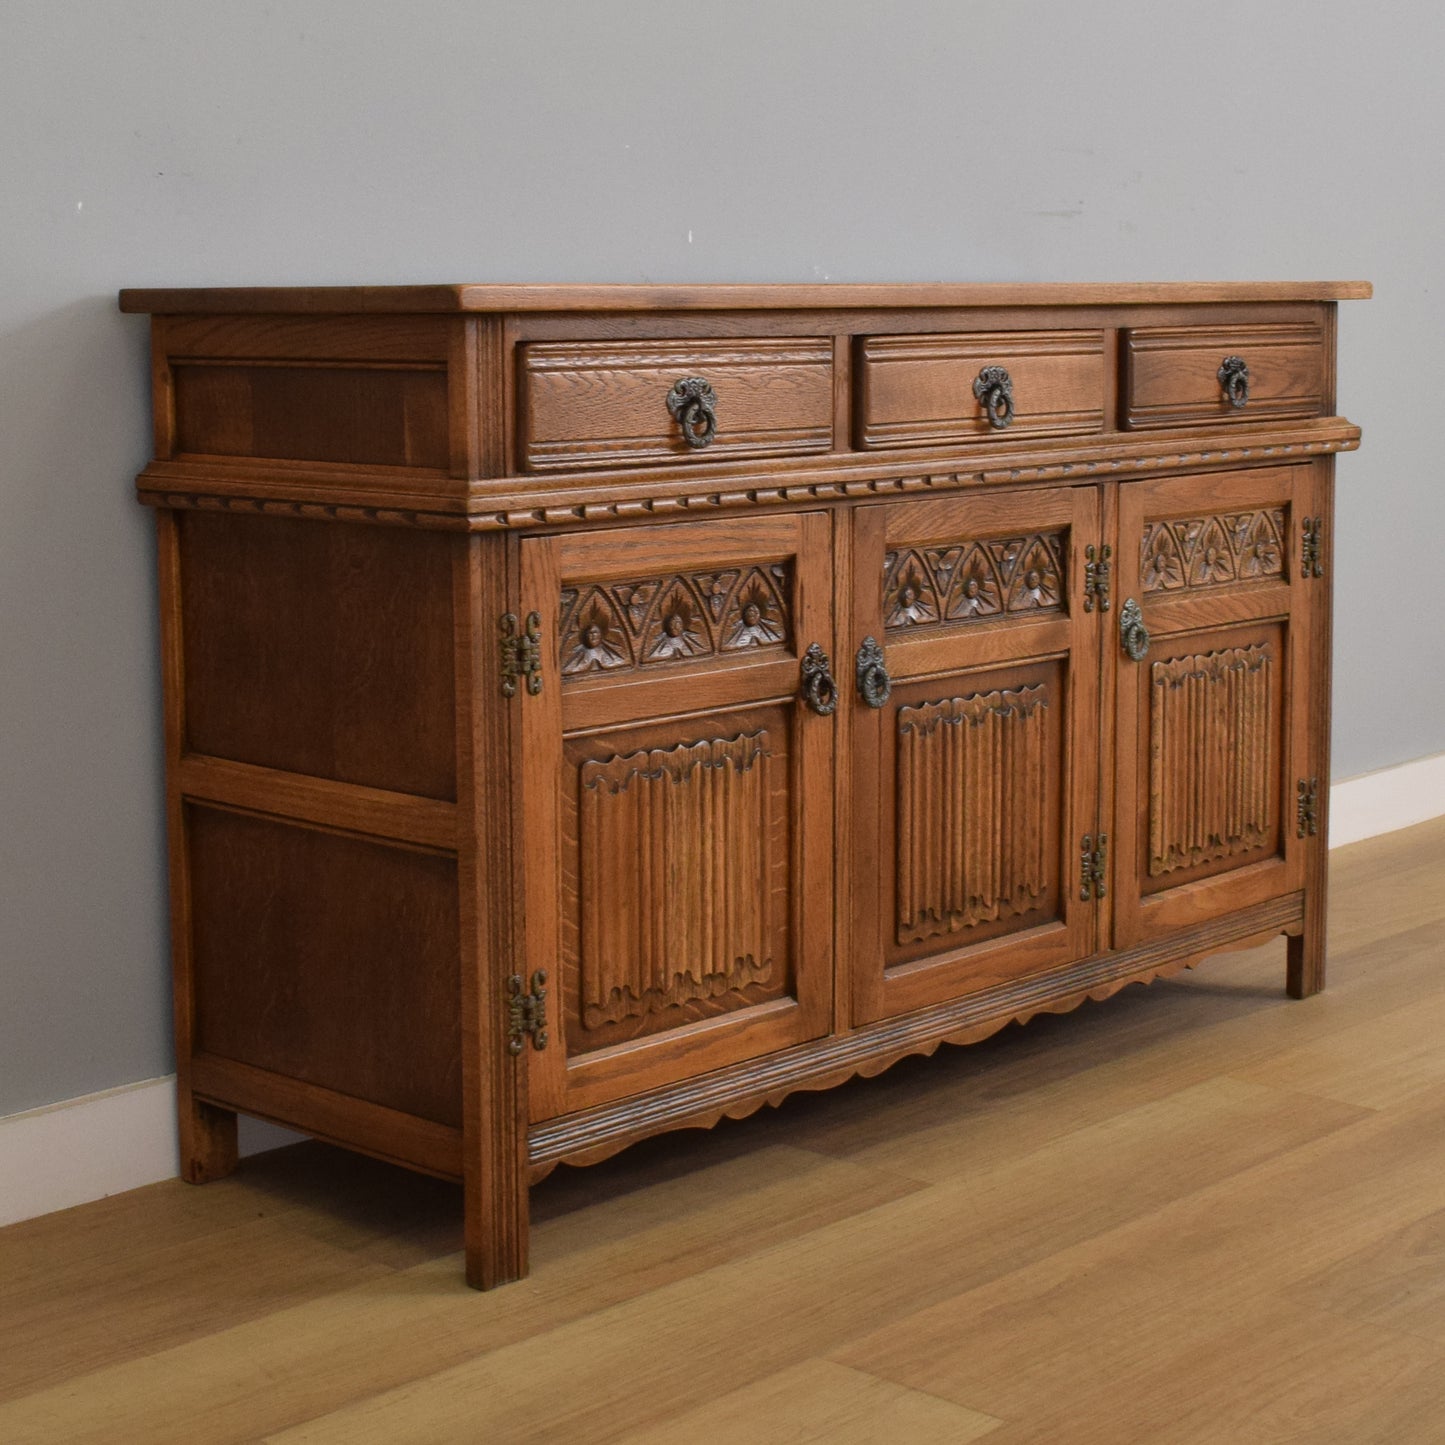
(820, 692)
(694, 403)
(1132, 632)
(1234, 380)
(995, 390)
(874, 684)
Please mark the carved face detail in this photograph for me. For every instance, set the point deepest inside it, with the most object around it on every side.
(758, 620)
(910, 593)
(1161, 568)
(679, 631)
(1213, 560)
(1258, 548)
(593, 640)
(1035, 579)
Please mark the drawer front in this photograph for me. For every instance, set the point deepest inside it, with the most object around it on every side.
(1177, 375)
(606, 404)
(921, 391)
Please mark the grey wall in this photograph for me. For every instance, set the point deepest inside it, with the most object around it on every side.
(187, 142)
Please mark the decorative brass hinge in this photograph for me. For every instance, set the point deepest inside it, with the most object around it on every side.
(521, 653)
(527, 1012)
(1097, 570)
(1093, 863)
(1307, 808)
(1311, 554)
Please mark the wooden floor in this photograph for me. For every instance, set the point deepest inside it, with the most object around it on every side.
(1197, 1212)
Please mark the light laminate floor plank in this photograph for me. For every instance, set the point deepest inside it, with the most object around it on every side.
(1195, 1213)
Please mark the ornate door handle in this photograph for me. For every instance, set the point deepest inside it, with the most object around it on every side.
(874, 684)
(995, 390)
(820, 692)
(1234, 380)
(1132, 633)
(694, 403)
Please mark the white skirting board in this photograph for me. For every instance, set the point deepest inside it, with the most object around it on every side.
(82, 1149)
(1392, 798)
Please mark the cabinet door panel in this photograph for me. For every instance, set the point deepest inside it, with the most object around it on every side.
(677, 802)
(1211, 723)
(973, 782)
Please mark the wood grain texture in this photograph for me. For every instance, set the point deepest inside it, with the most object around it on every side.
(396, 498)
(315, 649)
(1171, 374)
(1121, 1185)
(721, 855)
(587, 404)
(1213, 551)
(918, 390)
(328, 959)
(973, 834)
(973, 580)
(356, 414)
(491, 924)
(404, 299)
(1213, 777)
(698, 830)
(672, 618)
(207, 1135)
(682, 904)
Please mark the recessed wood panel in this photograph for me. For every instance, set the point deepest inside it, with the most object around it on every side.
(385, 416)
(713, 612)
(320, 649)
(1213, 771)
(676, 871)
(1171, 374)
(917, 391)
(974, 580)
(1213, 550)
(328, 959)
(605, 403)
(978, 781)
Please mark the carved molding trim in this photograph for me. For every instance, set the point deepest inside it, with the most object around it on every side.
(973, 580)
(611, 626)
(972, 789)
(1191, 553)
(484, 512)
(1211, 757)
(675, 860)
(308, 511)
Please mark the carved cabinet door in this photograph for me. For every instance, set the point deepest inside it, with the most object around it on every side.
(975, 778)
(676, 800)
(1213, 695)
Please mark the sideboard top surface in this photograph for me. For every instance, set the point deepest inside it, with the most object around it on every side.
(321, 300)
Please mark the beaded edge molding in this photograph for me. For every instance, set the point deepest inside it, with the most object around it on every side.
(801, 492)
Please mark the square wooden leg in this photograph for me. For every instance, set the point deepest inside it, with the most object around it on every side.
(208, 1138)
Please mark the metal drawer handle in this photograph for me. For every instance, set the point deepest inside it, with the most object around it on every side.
(820, 692)
(694, 403)
(1132, 632)
(874, 684)
(1234, 379)
(995, 391)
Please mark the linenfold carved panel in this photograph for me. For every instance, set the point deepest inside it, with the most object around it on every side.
(972, 789)
(969, 580)
(1211, 757)
(681, 864)
(609, 626)
(1197, 552)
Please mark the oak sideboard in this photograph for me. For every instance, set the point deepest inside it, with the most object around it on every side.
(598, 710)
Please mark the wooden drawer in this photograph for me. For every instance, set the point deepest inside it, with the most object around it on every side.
(1172, 374)
(919, 391)
(605, 404)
